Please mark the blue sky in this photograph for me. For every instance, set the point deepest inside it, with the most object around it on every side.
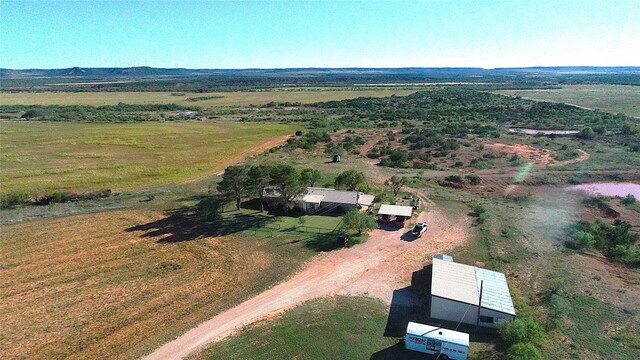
(277, 34)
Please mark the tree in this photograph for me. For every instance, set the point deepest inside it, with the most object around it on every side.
(309, 177)
(586, 133)
(524, 351)
(258, 179)
(349, 179)
(287, 180)
(396, 183)
(233, 183)
(359, 221)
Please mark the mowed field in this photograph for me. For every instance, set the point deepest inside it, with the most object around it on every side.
(90, 156)
(327, 328)
(611, 98)
(238, 98)
(112, 286)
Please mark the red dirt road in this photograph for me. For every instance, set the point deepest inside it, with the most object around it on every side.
(376, 268)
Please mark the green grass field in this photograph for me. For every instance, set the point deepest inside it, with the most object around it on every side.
(238, 98)
(611, 98)
(329, 328)
(89, 156)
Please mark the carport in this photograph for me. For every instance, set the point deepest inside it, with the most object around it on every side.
(400, 212)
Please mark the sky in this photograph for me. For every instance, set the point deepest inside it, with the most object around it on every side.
(284, 34)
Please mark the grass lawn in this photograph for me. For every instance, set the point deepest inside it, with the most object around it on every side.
(611, 98)
(89, 156)
(328, 328)
(118, 284)
(238, 98)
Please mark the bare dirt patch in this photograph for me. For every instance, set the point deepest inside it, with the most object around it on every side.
(537, 156)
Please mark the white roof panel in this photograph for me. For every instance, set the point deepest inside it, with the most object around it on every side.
(365, 199)
(495, 291)
(451, 280)
(335, 196)
(397, 210)
(439, 333)
(313, 198)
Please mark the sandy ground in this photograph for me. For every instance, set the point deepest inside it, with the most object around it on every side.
(376, 268)
(537, 156)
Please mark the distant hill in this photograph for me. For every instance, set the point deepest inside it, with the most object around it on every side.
(146, 71)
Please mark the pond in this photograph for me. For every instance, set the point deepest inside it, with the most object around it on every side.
(543, 132)
(609, 189)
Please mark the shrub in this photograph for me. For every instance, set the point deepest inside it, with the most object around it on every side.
(628, 200)
(13, 198)
(299, 133)
(454, 178)
(586, 133)
(581, 240)
(524, 351)
(520, 330)
(473, 179)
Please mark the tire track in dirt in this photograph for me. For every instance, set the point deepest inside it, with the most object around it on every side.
(377, 267)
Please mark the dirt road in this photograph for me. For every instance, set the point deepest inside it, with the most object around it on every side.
(376, 268)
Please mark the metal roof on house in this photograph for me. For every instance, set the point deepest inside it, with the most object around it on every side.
(365, 199)
(460, 282)
(335, 196)
(313, 198)
(397, 210)
(439, 333)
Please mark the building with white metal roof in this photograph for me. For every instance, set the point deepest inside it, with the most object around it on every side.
(456, 290)
(395, 210)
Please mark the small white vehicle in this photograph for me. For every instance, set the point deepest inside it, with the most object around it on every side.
(419, 229)
(444, 343)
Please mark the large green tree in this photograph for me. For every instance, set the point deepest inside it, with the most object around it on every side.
(309, 176)
(349, 179)
(258, 179)
(234, 182)
(359, 221)
(396, 183)
(287, 180)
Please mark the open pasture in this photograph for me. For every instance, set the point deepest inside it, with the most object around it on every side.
(237, 98)
(118, 284)
(90, 156)
(610, 98)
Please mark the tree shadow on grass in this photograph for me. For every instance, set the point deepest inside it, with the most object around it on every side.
(200, 220)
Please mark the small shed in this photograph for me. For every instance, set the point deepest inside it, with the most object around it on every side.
(400, 212)
(395, 210)
(336, 158)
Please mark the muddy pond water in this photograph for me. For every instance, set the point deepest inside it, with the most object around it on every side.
(544, 132)
(609, 189)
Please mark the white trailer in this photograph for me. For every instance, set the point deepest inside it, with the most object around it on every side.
(447, 344)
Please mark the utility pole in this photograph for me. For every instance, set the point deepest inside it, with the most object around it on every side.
(479, 307)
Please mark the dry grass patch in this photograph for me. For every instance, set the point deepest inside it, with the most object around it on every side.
(84, 287)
